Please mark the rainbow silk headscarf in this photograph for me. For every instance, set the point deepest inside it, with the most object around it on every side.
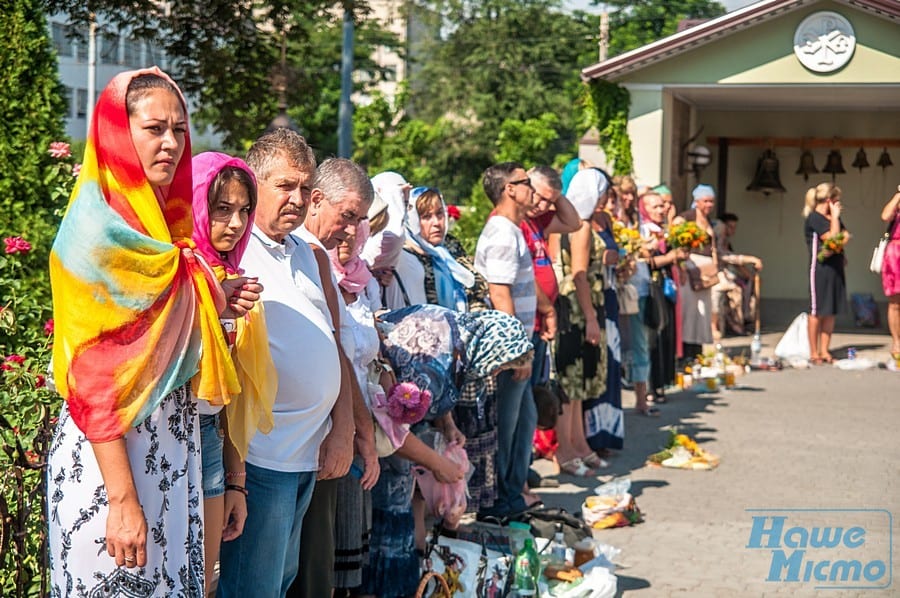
(256, 372)
(132, 304)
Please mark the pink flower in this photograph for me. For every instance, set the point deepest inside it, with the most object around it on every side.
(407, 404)
(453, 212)
(60, 149)
(48, 327)
(17, 245)
(12, 361)
(76, 169)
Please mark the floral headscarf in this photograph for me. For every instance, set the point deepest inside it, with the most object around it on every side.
(439, 349)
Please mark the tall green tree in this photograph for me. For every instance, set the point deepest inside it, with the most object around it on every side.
(476, 65)
(227, 54)
(32, 107)
(634, 23)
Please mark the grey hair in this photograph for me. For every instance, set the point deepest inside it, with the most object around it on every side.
(280, 143)
(338, 176)
(548, 175)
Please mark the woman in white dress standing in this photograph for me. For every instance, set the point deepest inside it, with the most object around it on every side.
(133, 305)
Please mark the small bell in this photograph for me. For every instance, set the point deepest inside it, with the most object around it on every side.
(807, 165)
(860, 161)
(766, 179)
(884, 160)
(834, 164)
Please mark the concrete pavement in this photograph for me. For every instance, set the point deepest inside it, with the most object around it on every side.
(819, 438)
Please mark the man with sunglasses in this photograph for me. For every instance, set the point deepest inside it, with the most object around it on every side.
(503, 258)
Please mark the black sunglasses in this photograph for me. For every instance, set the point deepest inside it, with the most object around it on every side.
(520, 182)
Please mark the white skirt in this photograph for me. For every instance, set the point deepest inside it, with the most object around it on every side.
(164, 452)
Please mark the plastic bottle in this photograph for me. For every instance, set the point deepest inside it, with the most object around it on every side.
(755, 349)
(558, 547)
(851, 353)
(719, 359)
(526, 580)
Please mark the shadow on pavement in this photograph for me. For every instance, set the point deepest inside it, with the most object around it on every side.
(626, 583)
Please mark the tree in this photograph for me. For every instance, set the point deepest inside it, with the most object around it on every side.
(32, 106)
(225, 53)
(477, 65)
(634, 23)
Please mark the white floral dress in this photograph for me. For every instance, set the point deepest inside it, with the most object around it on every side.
(164, 451)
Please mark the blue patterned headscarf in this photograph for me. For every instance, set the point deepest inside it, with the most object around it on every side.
(439, 349)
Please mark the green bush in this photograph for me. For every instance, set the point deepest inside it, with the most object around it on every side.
(33, 190)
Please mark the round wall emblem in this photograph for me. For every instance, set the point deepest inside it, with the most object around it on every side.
(824, 42)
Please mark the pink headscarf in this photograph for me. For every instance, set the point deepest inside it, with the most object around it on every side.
(354, 275)
(206, 167)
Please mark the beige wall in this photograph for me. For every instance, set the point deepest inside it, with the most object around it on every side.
(764, 54)
(772, 227)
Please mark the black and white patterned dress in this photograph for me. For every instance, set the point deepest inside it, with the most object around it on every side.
(164, 452)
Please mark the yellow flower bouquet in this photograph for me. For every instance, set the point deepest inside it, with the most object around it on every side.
(682, 452)
(687, 234)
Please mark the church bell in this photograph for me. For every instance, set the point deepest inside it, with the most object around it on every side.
(807, 165)
(860, 161)
(834, 164)
(766, 179)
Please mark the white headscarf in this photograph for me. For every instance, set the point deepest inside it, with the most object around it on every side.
(585, 190)
(382, 251)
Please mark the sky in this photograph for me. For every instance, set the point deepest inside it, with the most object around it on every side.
(586, 5)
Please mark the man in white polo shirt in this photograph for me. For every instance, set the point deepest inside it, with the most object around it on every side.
(310, 436)
(503, 258)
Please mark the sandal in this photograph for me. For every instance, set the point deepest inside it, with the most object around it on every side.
(648, 411)
(594, 461)
(577, 467)
(658, 398)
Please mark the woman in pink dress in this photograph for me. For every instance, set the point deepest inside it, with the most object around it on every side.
(890, 275)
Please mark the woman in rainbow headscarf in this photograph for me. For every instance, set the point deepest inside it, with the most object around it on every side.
(133, 305)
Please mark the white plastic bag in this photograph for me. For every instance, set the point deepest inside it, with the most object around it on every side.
(795, 342)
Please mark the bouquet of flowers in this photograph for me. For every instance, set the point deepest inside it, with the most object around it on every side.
(682, 452)
(831, 246)
(628, 239)
(406, 404)
(687, 234)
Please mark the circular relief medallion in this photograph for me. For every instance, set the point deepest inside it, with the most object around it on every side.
(824, 42)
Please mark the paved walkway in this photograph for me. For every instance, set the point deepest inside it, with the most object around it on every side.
(820, 438)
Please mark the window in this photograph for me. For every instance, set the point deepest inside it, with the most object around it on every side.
(68, 95)
(61, 43)
(109, 48)
(131, 53)
(81, 102)
(81, 50)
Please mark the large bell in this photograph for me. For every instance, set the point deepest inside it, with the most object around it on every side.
(884, 160)
(766, 178)
(860, 161)
(834, 164)
(807, 165)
